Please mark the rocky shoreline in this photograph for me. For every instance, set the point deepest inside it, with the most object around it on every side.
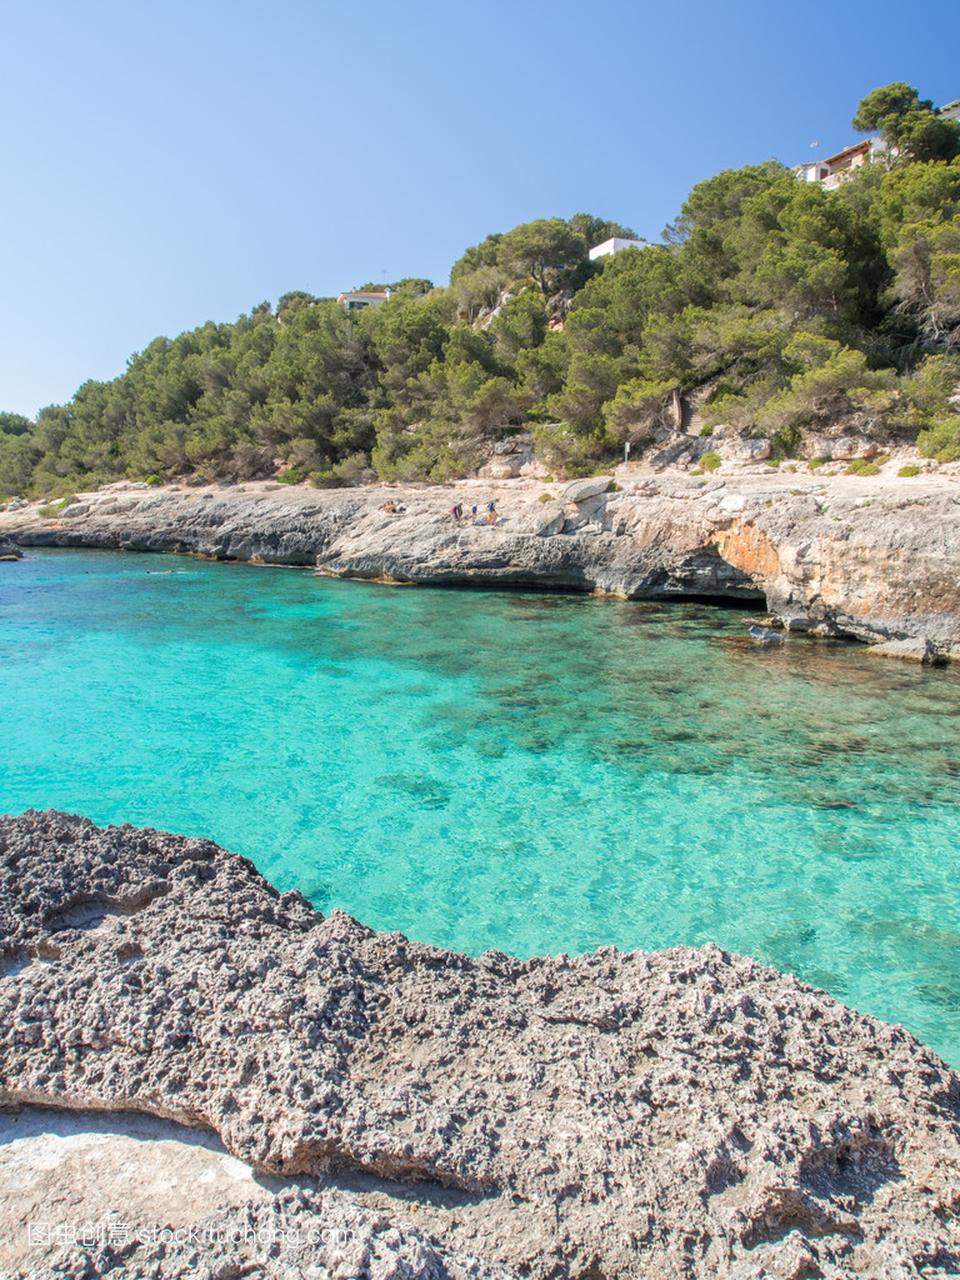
(675, 1114)
(876, 559)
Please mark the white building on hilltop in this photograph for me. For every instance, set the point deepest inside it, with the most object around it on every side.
(616, 244)
(358, 298)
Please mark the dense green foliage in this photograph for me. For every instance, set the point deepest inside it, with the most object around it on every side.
(777, 305)
(906, 123)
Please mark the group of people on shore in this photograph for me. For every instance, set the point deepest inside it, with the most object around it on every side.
(458, 513)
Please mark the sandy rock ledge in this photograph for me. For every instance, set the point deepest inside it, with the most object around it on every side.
(686, 1113)
(876, 558)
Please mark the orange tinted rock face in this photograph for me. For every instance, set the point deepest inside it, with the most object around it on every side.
(745, 547)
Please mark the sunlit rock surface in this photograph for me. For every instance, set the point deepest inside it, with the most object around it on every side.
(674, 1114)
(876, 558)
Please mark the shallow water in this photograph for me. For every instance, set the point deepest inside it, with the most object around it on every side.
(528, 772)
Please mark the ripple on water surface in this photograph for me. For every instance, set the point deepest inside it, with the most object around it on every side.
(529, 772)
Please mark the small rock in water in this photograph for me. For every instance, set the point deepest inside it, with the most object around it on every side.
(913, 649)
(765, 636)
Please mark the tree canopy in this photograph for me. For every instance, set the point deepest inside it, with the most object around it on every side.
(909, 125)
(776, 304)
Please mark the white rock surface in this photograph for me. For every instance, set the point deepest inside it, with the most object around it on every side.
(581, 490)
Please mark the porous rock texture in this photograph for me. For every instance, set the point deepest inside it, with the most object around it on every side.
(119, 1194)
(298, 1235)
(685, 1113)
(877, 558)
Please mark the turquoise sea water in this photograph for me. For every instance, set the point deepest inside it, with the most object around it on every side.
(529, 772)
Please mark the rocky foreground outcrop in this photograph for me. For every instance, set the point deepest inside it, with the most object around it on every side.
(686, 1113)
(878, 559)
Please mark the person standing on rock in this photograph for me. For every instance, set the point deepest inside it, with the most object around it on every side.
(491, 512)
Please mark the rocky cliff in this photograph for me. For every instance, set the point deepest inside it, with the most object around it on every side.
(875, 559)
(678, 1114)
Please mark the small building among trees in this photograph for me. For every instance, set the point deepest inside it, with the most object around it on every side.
(358, 298)
(908, 128)
(832, 171)
(616, 244)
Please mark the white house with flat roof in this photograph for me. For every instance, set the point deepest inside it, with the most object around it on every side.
(616, 244)
(358, 298)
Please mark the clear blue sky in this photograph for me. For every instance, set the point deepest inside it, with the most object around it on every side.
(165, 164)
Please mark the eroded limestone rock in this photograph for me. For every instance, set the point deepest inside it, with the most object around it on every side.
(591, 487)
(872, 558)
(746, 449)
(296, 1236)
(686, 1113)
(919, 650)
